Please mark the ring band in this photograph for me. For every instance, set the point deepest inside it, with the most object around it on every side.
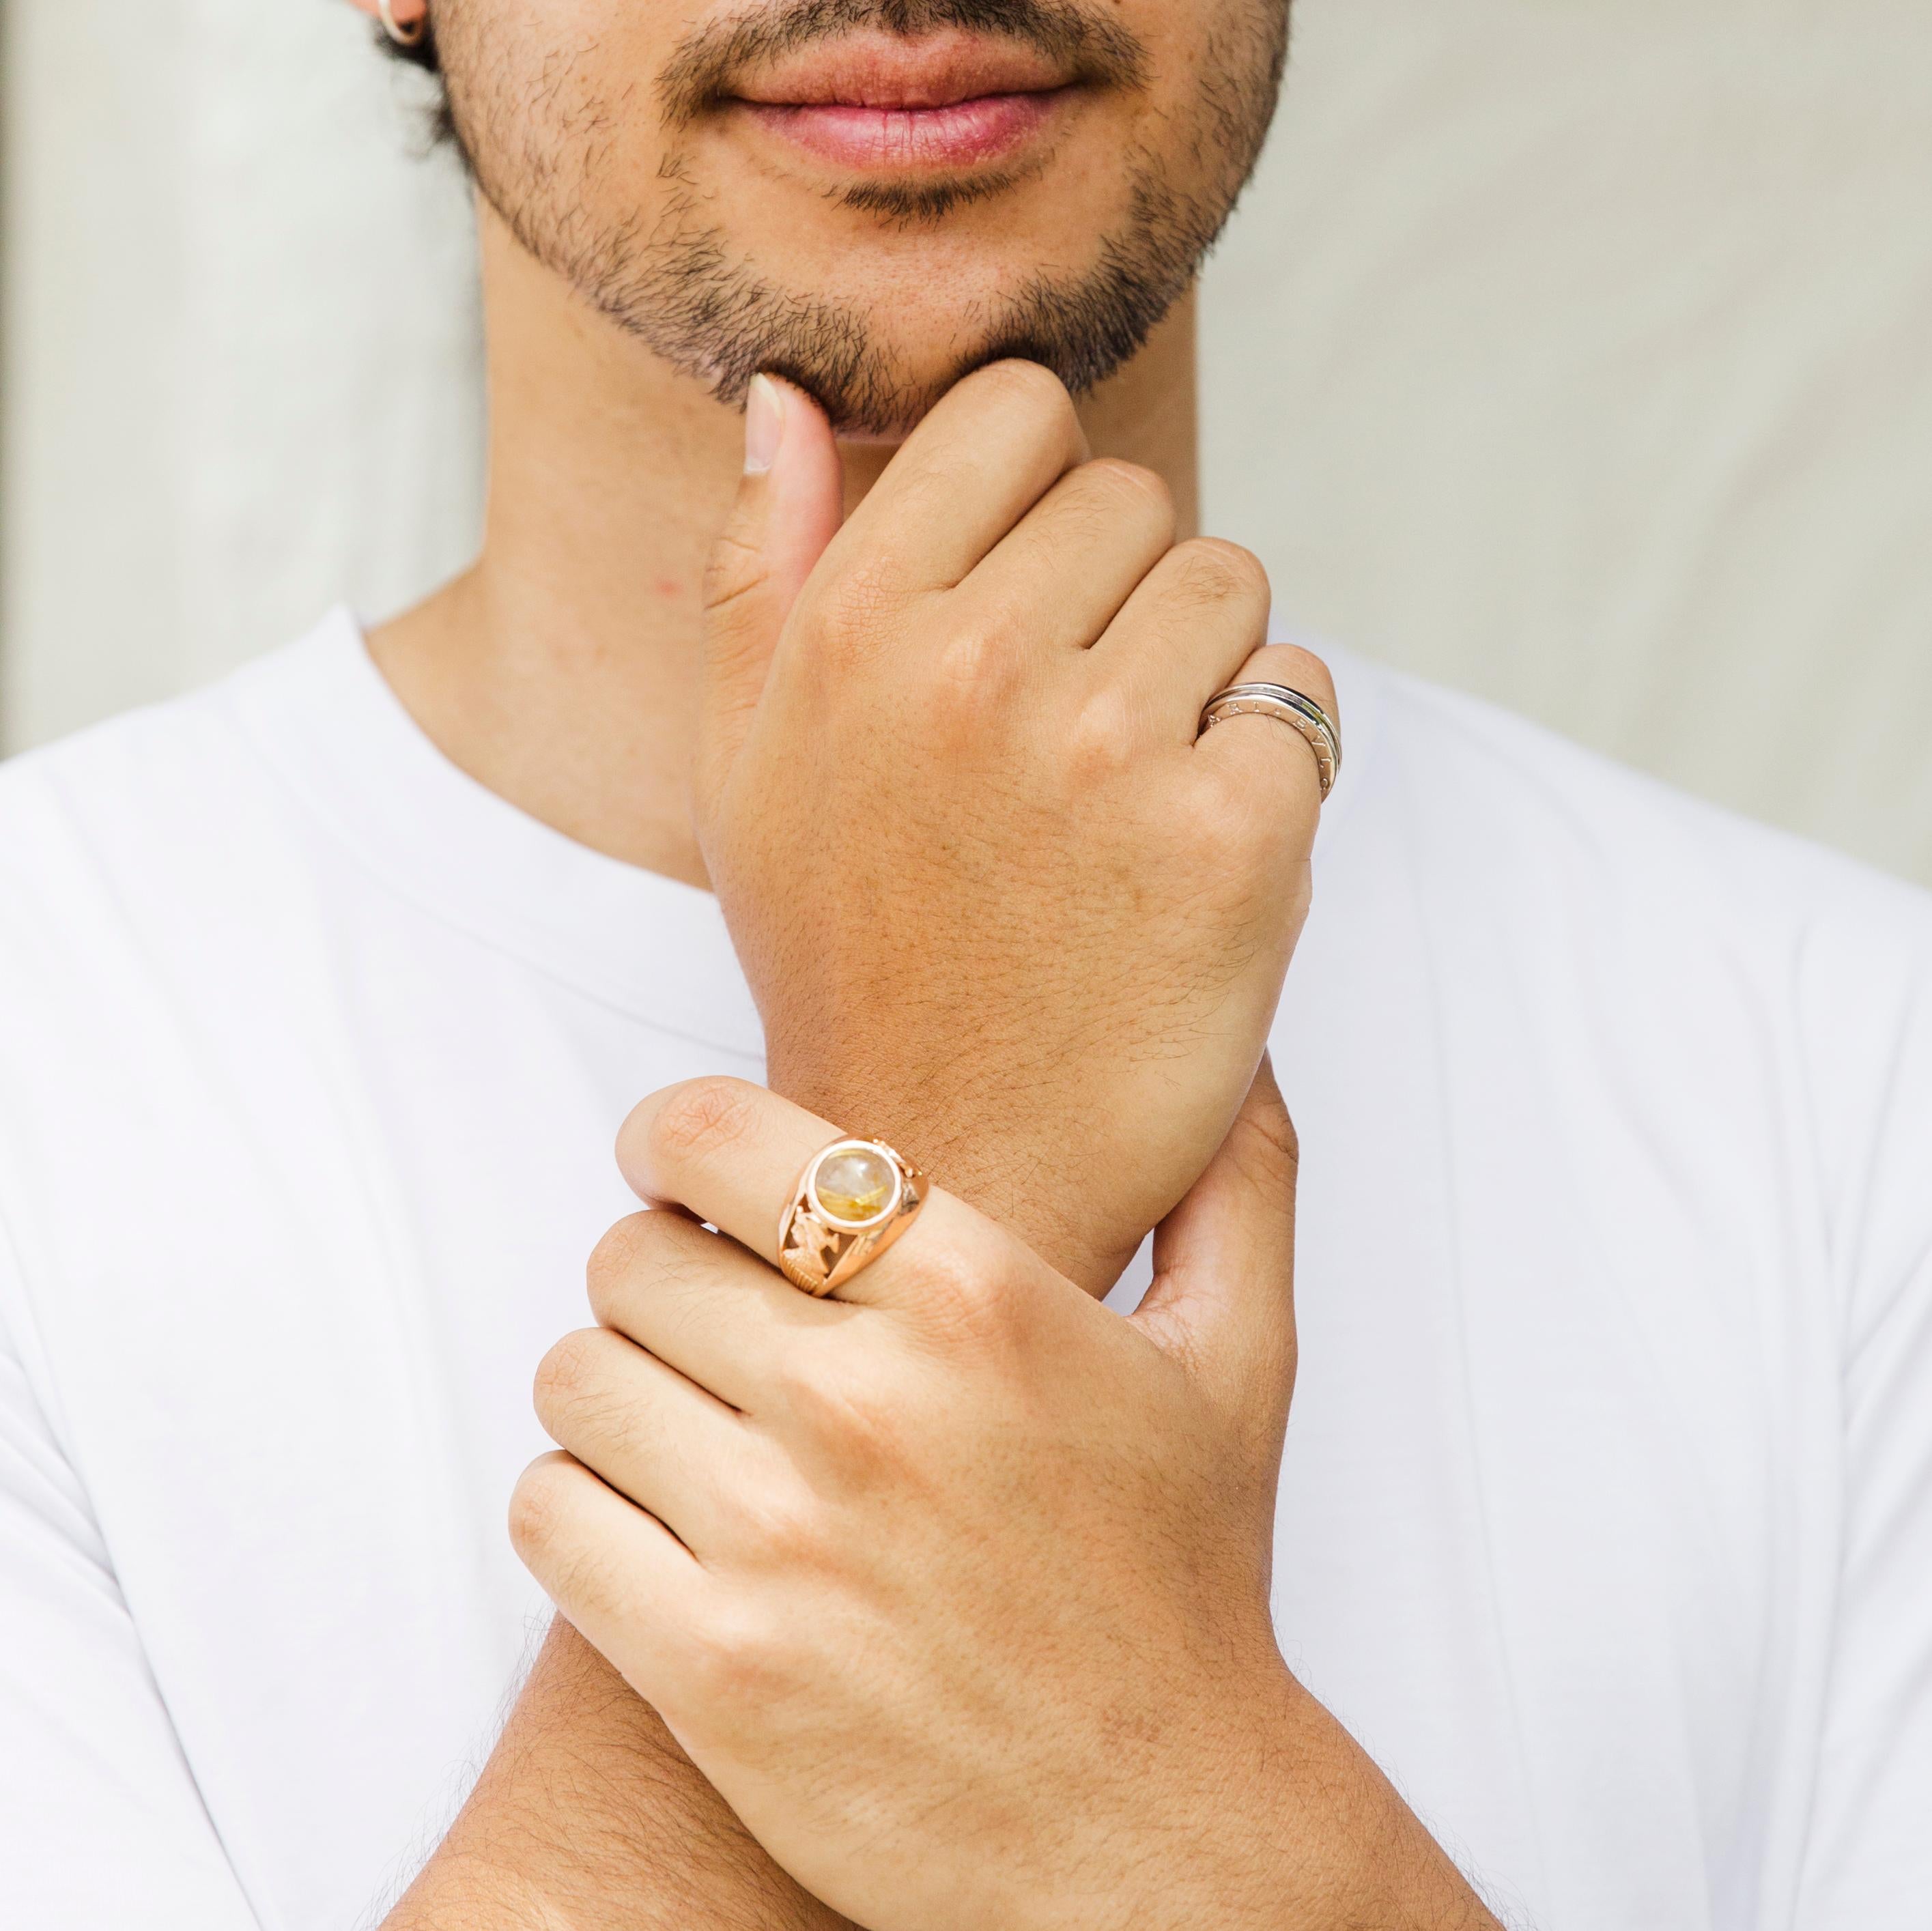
(1300, 713)
(854, 1200)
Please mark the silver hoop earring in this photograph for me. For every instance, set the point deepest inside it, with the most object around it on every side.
(410, 36)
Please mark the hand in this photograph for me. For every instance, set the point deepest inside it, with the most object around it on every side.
(956, 1587)
(995, 903)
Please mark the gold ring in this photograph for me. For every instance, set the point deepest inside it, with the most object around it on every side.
(854, 1200)
(1290, 707)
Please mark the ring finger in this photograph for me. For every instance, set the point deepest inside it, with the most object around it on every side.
(732, 1153)
(675, 1451)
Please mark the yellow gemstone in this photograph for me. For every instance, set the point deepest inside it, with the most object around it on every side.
(855, 1185)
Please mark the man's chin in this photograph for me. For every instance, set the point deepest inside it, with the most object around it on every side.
(877, 438)
(877, 351)
(880, 403)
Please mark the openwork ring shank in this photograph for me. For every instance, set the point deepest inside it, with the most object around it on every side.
(854, 1200)
(1300, 714)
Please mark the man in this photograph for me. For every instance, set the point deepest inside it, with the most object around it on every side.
(1604, 1526)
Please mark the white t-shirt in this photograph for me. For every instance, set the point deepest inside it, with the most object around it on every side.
(1607, 1517)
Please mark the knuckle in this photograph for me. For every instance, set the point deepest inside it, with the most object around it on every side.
(975, 669)
(1302, 670)
(652, 1245)
(616, 1258)
(733, 571)
(574, 1575)
(1230, 819)
(1247, 793)
(1119, 482)
(566, 1375)
(1103, 738)
(703, 1118)
(847, 612)
(783, 1530)
(737, 1656)
(964, 661)
(1210, 570)
(962, 1290)
(853, 1415)
(1257, 796)
(536, 1511)
(1214, 809)
(1273, 1128)
(588, 1404)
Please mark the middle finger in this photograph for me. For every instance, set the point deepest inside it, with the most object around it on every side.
(701, 1303)
(733, 1153)
(678, 1452)
(1060, 577)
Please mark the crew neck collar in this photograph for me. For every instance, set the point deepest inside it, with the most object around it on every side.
(327, 723)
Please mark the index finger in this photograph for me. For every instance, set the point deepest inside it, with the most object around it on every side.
(986, 453)
(733, 1153)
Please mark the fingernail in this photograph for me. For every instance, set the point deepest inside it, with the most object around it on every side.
(764, 425)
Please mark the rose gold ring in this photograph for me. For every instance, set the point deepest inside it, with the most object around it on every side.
(854, 1200)
(1300, 713)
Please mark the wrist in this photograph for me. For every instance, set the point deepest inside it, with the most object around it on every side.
(1222, 1860)
(1273, 1818)
(587, 1815)
(1000, 1167)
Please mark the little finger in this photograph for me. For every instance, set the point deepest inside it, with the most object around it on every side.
(1285, 757)
(641, 1427)
(620, 1578)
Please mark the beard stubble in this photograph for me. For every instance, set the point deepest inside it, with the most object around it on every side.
(538, 152)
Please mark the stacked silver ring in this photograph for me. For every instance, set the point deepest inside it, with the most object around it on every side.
(1298, 713)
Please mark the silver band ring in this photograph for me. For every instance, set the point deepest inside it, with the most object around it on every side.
(854, 1200)
(1300, 714)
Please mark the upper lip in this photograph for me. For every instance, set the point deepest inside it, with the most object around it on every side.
(873, 70)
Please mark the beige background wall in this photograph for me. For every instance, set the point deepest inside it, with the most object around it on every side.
(240, 345)
(1578, 351)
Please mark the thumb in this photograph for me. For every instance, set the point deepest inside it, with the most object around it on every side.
(791, 502)
(1222, 1300)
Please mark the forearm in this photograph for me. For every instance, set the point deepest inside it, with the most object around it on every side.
(588, 1817)
(1024, 1178)
(1283, 1824)
(1347, 1845)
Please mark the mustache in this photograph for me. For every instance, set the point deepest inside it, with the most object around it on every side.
(700, 75)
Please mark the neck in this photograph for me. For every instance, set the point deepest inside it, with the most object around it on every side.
(561, 669)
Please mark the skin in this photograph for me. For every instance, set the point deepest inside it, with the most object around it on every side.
(956, 1585)
(1000, 662)
(649, 633)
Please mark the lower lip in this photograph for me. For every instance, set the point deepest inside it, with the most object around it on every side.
(912, 139)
